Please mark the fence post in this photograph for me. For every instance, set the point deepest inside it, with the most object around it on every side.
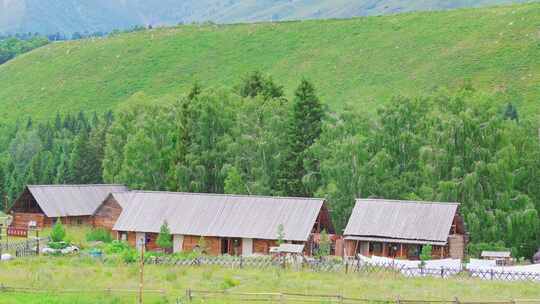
(241, 262)
(346, 267)
(398, 300)
(491, 271)
(442, 272)
(456, 300)
(188, 295)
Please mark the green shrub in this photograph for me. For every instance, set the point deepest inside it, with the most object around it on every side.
(130, 256)
(99, 234)
(426, 253)
(58, 232)
(229, 282)
(116, 247)
(164, 239)
(58, 245)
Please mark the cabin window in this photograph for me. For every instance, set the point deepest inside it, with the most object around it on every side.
(414, 251)
(375, 248)
(122, 235)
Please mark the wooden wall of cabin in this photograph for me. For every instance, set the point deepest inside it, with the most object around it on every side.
(392, 250)
(21, 219)
(107, 214)
(69, 220)
(213, 244)
(26, 204)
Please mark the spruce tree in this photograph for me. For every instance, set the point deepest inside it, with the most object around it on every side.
(305, 127)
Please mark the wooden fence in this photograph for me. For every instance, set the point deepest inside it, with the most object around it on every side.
(22, 248)
(346, 266)
(202, 296)
(196, 296)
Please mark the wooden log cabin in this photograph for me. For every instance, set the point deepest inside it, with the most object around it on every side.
(73, 204)
(229, 224)
(399, 229)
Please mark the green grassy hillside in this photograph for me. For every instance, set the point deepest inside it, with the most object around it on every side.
(362, 61)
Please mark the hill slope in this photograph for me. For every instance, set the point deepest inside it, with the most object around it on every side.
(68, 16)
(361, 61)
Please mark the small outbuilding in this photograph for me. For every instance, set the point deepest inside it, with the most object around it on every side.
(42, 205)
(536, 257)
(502, 258)
(222, 224)
(399, 229)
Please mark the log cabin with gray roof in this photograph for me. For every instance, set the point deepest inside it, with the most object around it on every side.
(399, 229)
(42, 205)
(230, 224)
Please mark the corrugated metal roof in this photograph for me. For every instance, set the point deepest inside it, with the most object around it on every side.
(71, 200)
(496, 254)
(411, 220)
(220, 215)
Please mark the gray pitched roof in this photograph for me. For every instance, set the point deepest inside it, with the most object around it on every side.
(406, 220)
(71, 200)
(220, 215)
(496, 254)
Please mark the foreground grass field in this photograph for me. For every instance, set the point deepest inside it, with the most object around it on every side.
(84, 273)
(361, 61)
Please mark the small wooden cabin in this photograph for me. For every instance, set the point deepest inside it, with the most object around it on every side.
(399, 229)
(109, 211)
(228, 224)
(73, 204)
(501, 258)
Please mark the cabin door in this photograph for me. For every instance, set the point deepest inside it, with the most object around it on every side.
(231, 246)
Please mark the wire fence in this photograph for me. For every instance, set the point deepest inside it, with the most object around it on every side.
(28, 247)
(347, 265)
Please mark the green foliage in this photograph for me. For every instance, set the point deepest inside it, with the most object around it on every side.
(99, 234)
(234, 183)
(164, 239)
(116, 247)
(325, 245)
(304, 128)
(229, 282)
(129, 256)
(58, 232)
(426, 253)
(11, 47)
(333, 53)
(57, 244)
(255, 84)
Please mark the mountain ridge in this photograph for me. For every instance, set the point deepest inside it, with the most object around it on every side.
(69, 16)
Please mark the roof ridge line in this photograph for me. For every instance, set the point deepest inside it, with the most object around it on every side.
(75, 185)
(232, 195)
(408, 201)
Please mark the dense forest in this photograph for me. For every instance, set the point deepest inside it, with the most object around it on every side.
(459, 146)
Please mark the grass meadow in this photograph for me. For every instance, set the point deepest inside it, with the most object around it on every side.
(43, 275)
(361, 61)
